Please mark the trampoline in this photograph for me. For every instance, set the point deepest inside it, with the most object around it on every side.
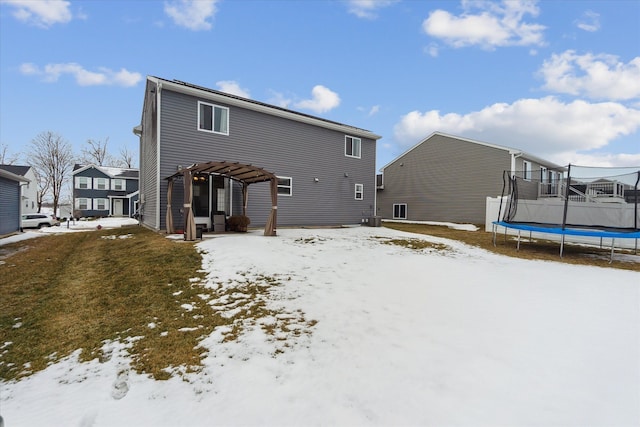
(572, 201)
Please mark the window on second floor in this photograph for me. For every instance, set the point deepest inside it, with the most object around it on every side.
(118, 184)
(359, 191)
(285, 186)
(213, 118)
(352, 146)
(100, 183)
(83, 182)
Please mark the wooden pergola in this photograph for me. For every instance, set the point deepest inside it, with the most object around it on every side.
(245, 174)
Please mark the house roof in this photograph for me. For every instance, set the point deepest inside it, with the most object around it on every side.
(512, 151)
(112, 172)
(16, 169)
(203, 92)
(12, 176)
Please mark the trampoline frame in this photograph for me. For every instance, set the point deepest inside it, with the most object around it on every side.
(613, 235)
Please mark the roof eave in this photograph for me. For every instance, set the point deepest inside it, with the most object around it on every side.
(263, 108)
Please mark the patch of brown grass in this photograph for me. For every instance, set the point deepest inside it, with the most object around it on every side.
(78, 290)
(538, 249)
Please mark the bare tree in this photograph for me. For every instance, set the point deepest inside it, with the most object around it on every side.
(52, 159)
(96, 153)
(7, 158)
(126, 158)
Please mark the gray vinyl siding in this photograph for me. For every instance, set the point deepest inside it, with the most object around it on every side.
(281, 146)
(149, 179)
(444, 179)
(9, 206)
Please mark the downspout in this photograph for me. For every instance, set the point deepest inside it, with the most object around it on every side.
(514, 156)
(158, 136)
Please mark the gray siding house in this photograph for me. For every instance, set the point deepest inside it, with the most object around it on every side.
(101, 191)
(448, 178)
(29, 191)
(10, 203)
(325, 170)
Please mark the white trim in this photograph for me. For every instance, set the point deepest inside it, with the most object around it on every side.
(213, 118)
(355, 192)
(97, 179)
(353, 140)
(393, 214)
(290, 186)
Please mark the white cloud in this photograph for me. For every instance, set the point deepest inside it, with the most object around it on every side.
(229, 86)
(104, 76)
(603, 160)
(374, 110)
(279, 99)
(494, 24)
(590, 21)
(323, 100)
(593, 76)
(191, 14)
(545, 127)
(42, 13)
(367, 8)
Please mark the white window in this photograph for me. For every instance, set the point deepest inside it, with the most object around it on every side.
(118, 184)
(544, 175)
(359, 191)
(83, 182)
(285, 185)
(83, 204)
(400, 211)
(352, 146)
(100, 183)
(101, 204)
(213, 118)
(526, 170)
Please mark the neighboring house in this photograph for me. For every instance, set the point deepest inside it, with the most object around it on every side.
(325, 170)
(29, 191)
(448, 178)
(100, 191)
(10, 205)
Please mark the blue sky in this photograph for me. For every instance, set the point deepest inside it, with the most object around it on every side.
(558, 79)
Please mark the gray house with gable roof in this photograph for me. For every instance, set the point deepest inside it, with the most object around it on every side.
(448, 178)
(325, 170)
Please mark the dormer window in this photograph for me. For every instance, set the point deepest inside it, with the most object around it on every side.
(213, 118)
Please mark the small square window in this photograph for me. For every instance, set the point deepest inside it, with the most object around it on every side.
(400, 211)
(101, 204)
(352, 146)
(82, 182)
(82, 203)
(359, 192)
(213, 118)
(100, 183)
(118, 184)
(285, 186)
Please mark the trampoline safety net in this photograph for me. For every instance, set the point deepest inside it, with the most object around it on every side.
(573, 197)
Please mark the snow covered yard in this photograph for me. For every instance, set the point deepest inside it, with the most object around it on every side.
(372, 331)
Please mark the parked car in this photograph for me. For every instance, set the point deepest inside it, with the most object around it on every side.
(38, 221)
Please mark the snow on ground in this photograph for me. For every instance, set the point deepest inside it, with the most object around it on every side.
(72, 226)
(439, 336)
